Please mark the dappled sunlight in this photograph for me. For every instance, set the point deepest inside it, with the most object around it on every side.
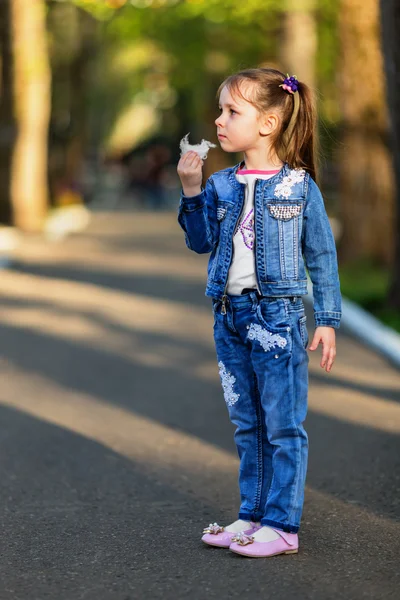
(376, 371)
(130, 259)
(129, 263)
(165, 334)
(356, 362)
(116, 322)
(339, 402)
(128, 227)
(88, 333)
(355, 407)
(172, 457)
(137, 122)
(131, 312)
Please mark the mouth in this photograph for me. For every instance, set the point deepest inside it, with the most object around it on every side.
(221, 137)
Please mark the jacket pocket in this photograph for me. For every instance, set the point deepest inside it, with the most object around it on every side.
(283, 239)
(284, 212)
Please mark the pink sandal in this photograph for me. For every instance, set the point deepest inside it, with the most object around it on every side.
(215, 535)
(287, 543)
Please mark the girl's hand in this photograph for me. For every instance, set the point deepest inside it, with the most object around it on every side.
(190, 173)
(327, 336)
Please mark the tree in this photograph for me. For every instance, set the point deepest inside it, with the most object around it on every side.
(73, 38)
(299, 39)
(390, 23)
(366, 176)
(31, 89)
(7, 117)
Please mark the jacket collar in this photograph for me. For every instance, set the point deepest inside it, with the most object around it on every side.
(265, 182)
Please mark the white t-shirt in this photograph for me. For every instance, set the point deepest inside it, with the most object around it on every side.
(242, 270)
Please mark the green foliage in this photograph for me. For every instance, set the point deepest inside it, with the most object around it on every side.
(366, 283)
(191, 46)
(176, 52)
(101, 9)
(326, 66)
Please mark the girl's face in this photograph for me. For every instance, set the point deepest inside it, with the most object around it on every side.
(239, 125)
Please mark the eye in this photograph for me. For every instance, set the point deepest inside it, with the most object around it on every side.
(231, 110)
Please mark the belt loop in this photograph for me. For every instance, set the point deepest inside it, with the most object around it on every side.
(286, 303)
(254, 297)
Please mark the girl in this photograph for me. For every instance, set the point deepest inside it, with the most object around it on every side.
(264, 222)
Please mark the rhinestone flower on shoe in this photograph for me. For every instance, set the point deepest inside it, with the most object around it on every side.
(213, 528)
(242, 539)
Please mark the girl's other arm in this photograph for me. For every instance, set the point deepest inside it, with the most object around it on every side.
(197, 213)
(319, 249)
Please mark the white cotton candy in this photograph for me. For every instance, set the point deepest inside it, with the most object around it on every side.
(201, 149)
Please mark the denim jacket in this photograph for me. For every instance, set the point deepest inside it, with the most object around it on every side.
(292, 233)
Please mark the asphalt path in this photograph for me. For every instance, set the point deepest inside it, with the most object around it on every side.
(116, 447)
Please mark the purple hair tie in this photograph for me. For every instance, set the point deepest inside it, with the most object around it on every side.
(290, 84)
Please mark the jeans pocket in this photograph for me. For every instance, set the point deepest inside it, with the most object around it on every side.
(273, 315)
(303, 330)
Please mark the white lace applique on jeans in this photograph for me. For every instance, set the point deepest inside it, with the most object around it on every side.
(284, 188)
(227, 384)
(267, 339)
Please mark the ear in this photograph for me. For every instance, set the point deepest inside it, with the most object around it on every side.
(269, 122)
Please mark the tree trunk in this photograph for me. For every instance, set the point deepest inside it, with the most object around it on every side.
(7, 119)
(29, 187)
(298, 50)
(390, 22)
(80, 78)
(75, 42)
(299, 40)
(366, 175)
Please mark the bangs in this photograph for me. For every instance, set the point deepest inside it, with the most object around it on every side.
(239, 86)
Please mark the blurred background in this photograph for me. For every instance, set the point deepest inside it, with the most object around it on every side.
(96, 94)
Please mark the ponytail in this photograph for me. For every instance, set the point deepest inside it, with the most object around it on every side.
(295, 139)
(297, 143)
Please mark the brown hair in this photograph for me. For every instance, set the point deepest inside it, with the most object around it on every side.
(298, 148)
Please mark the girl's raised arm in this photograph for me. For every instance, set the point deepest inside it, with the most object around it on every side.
(197, 214)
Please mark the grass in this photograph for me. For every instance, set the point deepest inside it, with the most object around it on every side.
(366, 283)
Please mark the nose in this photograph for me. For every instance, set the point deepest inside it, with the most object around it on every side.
(218, 121)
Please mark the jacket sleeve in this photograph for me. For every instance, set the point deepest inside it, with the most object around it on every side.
(197, 215)
(319, 250)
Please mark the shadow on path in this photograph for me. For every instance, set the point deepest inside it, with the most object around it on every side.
(116, 448)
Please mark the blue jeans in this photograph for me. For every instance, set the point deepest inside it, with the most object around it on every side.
(263, 364)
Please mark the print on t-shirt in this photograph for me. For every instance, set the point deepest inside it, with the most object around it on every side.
(246, 228)
(242, 273)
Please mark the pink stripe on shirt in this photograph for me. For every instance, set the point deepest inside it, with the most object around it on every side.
(256, 172)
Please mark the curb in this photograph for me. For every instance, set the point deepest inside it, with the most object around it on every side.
(366, 328)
